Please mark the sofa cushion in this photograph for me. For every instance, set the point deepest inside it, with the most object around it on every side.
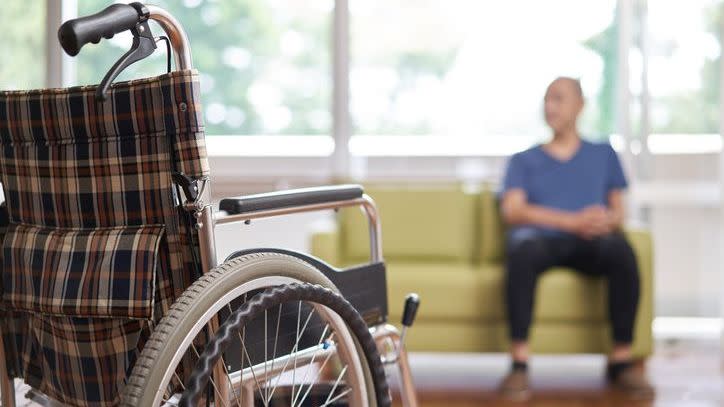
(492, 228)
(418, 224)
(463, 292)
(447, 291)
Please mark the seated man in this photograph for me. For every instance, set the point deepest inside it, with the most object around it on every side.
(563, 202)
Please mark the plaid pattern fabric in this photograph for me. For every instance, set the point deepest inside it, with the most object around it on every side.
(102, 272)
(95, 248)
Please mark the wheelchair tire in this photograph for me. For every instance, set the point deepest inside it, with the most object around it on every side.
(259, 305)
(175, 333)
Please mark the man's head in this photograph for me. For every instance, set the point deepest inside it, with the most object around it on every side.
(563, 103)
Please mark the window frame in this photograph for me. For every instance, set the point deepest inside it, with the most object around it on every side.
(60, 71)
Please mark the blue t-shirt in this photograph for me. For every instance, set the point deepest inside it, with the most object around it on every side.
(583, 180)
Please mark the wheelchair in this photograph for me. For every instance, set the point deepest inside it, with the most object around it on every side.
(111, 291)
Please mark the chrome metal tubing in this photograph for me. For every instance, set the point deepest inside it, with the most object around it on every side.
(384, 335)
(207, 240)
(375, 227)
(272, 368)
(176, 35)
(366, 203)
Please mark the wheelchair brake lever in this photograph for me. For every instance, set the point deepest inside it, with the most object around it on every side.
(143, 45)
(409, 313)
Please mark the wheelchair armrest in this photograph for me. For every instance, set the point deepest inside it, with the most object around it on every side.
(290, 198)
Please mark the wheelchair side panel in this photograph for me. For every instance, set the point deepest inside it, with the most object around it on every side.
(364, 286)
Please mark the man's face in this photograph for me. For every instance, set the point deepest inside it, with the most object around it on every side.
(562, 104)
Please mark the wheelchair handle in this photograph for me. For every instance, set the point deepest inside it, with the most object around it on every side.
(114, 19)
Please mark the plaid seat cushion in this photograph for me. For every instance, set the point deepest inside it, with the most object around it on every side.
(96, 248)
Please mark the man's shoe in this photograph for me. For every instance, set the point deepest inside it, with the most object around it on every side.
(633, 383)
(515, 386)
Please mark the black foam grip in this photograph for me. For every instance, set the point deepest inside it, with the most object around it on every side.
(412, 303)
(116, 18)
(290, 198)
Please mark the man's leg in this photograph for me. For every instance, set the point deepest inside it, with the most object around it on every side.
(527, 256)
(615, 259)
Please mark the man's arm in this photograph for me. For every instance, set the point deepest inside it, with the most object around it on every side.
(517, 211)
(616, 210)
(588, 223)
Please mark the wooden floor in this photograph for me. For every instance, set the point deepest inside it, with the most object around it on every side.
(685, 374)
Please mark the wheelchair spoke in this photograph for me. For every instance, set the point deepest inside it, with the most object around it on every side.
(295, 349)
(179, 381)
(309, 388)
(228, 381)
(169, 394)
(311, 362)
(274, 352)
(240, 397)
(211, 379)
(294, 371)
(331, 400)
(258, 387)
(337, 397)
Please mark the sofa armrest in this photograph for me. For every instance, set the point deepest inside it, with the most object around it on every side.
(325, 245)
(642, 244)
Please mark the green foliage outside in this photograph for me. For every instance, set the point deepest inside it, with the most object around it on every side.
(237, 44)
(266, 66)
(695, 111)
(22, 44)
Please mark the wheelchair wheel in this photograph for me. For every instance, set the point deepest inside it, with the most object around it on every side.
(248, 373)
(339, 388)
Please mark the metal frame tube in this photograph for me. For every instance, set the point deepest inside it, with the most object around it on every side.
(384, 334)
(366, 203)
(6, 383)
(375, 228)
(176, 35)
(207, 239)
(263, 371)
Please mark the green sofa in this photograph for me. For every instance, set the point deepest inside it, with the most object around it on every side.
(446, 244)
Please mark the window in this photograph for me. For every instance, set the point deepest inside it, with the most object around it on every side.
(684, 50)
(23, 42)
(460, 68)
(265, 65)
(427, 67)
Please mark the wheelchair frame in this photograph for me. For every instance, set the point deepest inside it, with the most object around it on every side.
(387, 337)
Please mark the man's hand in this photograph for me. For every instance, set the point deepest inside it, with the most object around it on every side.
(593, 221)
(588, 223)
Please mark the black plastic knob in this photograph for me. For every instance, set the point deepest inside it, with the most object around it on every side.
(412, 303)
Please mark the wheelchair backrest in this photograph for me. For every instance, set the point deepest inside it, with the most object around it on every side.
(94, 227)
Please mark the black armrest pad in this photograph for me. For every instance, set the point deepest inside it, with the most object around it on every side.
(290, 198)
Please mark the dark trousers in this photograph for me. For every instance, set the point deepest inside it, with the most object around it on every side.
(610, 256)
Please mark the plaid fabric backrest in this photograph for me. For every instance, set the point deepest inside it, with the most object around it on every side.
(93, 227)
(95, 248)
